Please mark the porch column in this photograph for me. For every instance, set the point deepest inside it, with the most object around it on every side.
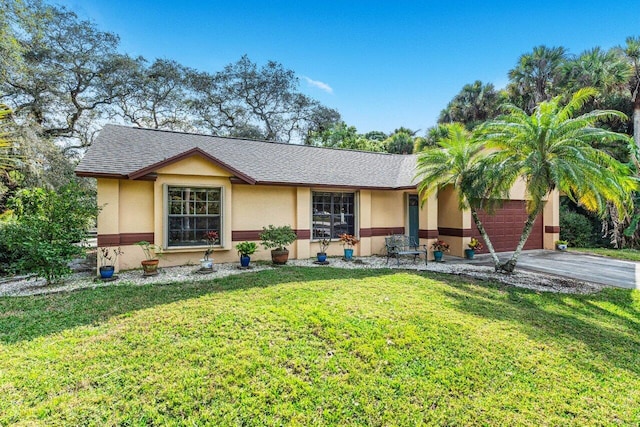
(303, 222)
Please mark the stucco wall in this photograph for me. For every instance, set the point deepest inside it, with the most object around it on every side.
(137, 208)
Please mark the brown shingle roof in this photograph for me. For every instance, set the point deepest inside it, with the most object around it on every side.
(126, 152)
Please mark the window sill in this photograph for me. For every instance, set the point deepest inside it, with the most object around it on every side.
(185, 249)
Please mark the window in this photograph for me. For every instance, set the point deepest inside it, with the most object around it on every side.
(191, 213)
(333, 214)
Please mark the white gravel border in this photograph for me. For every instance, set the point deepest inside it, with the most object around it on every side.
(535, 281)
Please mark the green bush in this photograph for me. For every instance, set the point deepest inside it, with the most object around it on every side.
(277, 237)
(578, 230)
(48, 225)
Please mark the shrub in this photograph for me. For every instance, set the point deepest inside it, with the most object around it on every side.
(246, 248)
(277, 237)
(578, 230)
(48, 226)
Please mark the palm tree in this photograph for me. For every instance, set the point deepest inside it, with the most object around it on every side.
(606, 71)
(551, 149)
(632, 52)
(475, 103)
(457, 160)
(537, 75)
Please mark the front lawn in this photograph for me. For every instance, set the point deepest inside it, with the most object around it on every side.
(320, 346)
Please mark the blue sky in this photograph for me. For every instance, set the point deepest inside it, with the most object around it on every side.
(381, 64)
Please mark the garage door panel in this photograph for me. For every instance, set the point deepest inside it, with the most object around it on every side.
(505, 226)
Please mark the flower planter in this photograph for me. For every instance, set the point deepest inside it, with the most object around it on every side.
(322, 257)
(469, 253)
(348, 254)
(244, 261)
(437, 255)
(106, 272)
(279, 257)
(561, 247)
(206, 263)
(150, 267)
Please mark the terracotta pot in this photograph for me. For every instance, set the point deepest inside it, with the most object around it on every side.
(150, 267)
(279, 257)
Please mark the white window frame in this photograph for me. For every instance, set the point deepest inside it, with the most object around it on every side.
(165, 197)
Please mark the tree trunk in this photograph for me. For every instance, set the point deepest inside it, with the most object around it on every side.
(636, 122)
(510, 265)
(485, 237)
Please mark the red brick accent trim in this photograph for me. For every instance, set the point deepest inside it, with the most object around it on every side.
(455, 232)
(303, 234)
(427, 234)
(386, 231)
(108, 239)
(551, 228)
(124, 238)
(242, 235)
(365, 232)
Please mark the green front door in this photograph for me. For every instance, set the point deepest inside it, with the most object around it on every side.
(414, 215)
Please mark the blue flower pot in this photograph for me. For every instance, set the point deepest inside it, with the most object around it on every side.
(322, 257)
(437, 255)
(107, 272)
(348, 254)
(244, 260)
(469, 253)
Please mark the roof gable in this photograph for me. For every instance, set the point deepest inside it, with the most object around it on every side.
(194, 152)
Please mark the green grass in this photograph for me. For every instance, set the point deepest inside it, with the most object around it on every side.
(624, 254)
(311, 346)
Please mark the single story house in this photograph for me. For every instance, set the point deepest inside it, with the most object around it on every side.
(170, 188)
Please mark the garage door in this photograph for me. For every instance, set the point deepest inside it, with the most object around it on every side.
(505, 226)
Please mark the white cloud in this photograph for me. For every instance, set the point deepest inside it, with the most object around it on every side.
(320, 85)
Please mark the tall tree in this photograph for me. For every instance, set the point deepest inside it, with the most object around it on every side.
(156, 96)
(603, 70)
(245, 96)
(402, 141)
(67, 74)
(537, 76)
(552, 149)
(474, 104)
(632, 52)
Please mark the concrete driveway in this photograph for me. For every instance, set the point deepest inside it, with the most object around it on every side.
(590, 268)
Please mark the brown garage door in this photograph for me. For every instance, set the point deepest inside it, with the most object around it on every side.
(505, 226)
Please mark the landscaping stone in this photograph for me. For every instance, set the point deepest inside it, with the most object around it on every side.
(536, 281)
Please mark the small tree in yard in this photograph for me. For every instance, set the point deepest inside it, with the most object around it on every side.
(46, 228)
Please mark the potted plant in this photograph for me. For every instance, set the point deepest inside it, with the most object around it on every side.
(562, 245)
(348, 241)
(211, 237)
(324, 245)
(439, 247)
(244, 250)
(151, 254)
(108, 258)
(276, 238)
(474, 245)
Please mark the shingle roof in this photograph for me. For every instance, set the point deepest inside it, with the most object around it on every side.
(126, 152)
